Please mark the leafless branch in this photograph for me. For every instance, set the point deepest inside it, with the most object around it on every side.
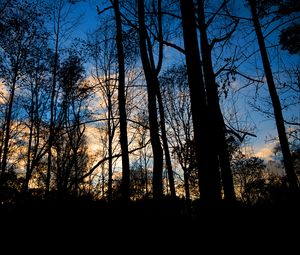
(216, 13)
(292, 123)
(104, 10)
(107, 158)
(225, 37)
(237, 133)
(239, 73)
(278, 26)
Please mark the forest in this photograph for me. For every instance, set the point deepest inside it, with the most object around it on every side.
(149, 110)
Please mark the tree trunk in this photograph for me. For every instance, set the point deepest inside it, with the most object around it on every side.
(2, 137)
(102, 182)
(29, 161)
(218, 125)
(165, 143)
(7, 127)
(110, 140)
(207, 160)
(122, 106)
(160, 103)
(287, 158)
(152, 83)
(52, 117)
(52, 99)
(76, 169)
(186, 178)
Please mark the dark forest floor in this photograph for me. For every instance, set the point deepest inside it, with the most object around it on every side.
(93, 225)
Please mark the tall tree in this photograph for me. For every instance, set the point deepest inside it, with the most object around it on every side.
(122, 104)
(63, 26)
(287, 159)
(287, 11)
(19, 33)
(57, 16)
(160, 102)
(35, 98)
(70, 142)
(102, 49)
(152, 84)
(176, 98)
(207, 159)
(154, 30)
(218, 126)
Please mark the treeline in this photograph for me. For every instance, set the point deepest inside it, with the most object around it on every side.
(147, 105)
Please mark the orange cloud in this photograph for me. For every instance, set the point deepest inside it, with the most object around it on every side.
(265, 152)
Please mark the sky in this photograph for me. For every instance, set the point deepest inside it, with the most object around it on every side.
(89, 22)
(264, 128)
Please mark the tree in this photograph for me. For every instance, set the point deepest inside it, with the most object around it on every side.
(292, 178)
(296, 160)
(63, 25)
(20, 31)
(152, 85)
(144, 155)
(70, 140)
(290, 39)
(207, 160)
(176, 98)
(164, 138)
(34, 100)
(102, 50)
(122, 104)
(249, 178)
(218, 126)
(105, 54)
(289, 36)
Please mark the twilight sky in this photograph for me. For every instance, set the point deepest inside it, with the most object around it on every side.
(264, 127)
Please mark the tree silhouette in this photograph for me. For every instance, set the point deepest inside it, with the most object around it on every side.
(290, 38)
(152, 108)
(152, 84)
(70, 142)
(293, 182)
(176, 97)
(122, 104)
(217, 127)
(249, 177)
(20, 31)
(62, 26)
(207, 160)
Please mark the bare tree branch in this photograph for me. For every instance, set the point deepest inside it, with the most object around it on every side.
(278, 26)
(104, 10)
(292, 123)
(216, 13)
(225, 37)
(239, 73)
(174, 46)
(107, 158)
(167, 14)
(236, 132)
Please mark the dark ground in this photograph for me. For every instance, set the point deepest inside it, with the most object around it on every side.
(146, 227)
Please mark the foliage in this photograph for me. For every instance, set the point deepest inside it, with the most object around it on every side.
(249, 178)
(290, 39)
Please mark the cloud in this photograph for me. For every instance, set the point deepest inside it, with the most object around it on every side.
(265, 152)
(93, 138)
